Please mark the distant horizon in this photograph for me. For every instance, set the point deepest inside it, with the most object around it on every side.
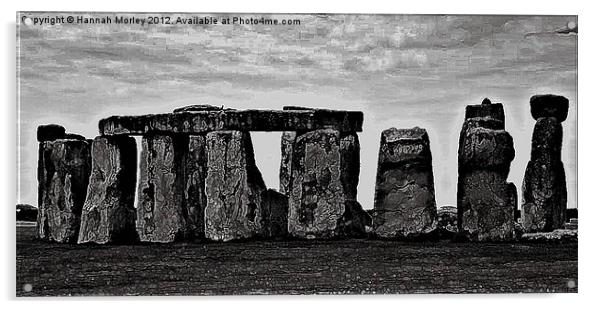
(400, 70)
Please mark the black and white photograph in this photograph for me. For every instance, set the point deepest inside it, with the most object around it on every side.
(222, 154)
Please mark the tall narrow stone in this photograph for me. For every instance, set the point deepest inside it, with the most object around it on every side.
(287, 143)
(234, 187)
(108, 215)
(544, 185)
(404, 202)
(63, 173)
(323, 185)
(161, 211)
(195, 199)
(486, 202)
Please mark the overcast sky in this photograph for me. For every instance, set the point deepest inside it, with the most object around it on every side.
(401, 71)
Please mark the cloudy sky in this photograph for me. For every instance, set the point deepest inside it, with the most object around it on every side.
(401, 71)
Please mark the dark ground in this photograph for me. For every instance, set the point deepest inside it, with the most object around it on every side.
(292, 267)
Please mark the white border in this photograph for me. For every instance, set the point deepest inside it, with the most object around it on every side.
(588, 152)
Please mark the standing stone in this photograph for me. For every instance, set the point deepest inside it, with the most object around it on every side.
(544, 185)
(161, 211)
(195, 199)
(63, 173)
(323, 185)
(234, 187)
(287, 143)
(108, 214)
(486, 202)
(404, 202)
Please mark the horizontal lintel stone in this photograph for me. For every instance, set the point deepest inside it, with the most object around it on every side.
(244, 120)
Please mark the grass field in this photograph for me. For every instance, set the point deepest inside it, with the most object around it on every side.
(292, 267)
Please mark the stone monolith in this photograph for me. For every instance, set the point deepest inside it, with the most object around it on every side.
(63, 173)
(234, 187)
(161, 213)
(404, 202)
(544, 201)
(324, 171)
(486, 202)
(108, 214)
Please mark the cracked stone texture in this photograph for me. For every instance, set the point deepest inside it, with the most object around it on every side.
(287, 141)
(544, 190)
(234, 187)
(50, 132)
(108, 215)
(275, 214)
(486, 148)
(195, 199)
(486, 202)
(549, 105)
(161, 212)
(63, 173)
(324, 176)
(404, 201)
(488, 206)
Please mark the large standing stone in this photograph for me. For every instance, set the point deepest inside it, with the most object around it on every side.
(486, 202)
(108, 214)
(195, 199)
(323, 185)
(161, 211)
(63, 172)
(404, 202)
(234, 187)
(544, 185)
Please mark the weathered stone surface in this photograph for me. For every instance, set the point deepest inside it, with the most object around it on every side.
(198, 122)
(287, 143)
(161, 213)
(323, 177)
(486, 148)
(63, 173)
(195, 199)
(549, 105)
(486, 202)
(487, 206)
(200, 108)
(544, 185)
(405, 195)
(108, 214)
(275, 214)
(50, 132)
(350, 164)
(234, 187)
(485, 109)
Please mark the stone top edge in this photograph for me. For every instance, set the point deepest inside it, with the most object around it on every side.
(413, 134)
(239, 111)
